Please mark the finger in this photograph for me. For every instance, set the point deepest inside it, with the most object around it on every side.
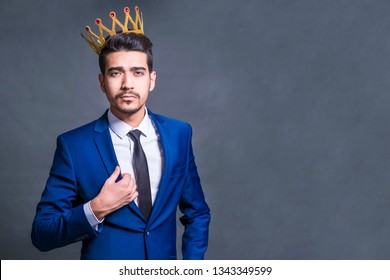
(115, 174)
(133, 189)
(131, 197)
(126, 178)
(134, 196)
(132, 183)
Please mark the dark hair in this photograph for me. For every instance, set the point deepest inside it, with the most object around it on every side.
(126, 42)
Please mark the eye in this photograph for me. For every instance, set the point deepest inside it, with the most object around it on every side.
(138, 73)
(114, 74)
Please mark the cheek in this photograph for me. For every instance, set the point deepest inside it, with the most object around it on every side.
(143, 87)
(112, 87)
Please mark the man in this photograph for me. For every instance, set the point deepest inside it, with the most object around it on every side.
(115, 183)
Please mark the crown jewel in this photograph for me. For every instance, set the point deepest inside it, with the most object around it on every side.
(97, 41)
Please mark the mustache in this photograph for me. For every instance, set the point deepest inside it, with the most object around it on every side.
(121, 94)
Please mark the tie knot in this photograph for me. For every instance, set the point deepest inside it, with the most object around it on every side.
(135, 134)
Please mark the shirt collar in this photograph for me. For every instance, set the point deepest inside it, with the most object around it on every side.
(121, 129)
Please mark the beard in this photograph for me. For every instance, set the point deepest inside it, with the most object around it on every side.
(125, 110)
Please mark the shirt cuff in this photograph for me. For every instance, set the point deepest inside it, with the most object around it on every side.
(93, 221)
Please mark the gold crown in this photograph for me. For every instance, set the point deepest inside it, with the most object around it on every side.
(97, 42)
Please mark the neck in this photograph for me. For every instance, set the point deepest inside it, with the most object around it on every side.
(133, 119)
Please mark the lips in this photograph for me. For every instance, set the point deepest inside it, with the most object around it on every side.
(127, 96)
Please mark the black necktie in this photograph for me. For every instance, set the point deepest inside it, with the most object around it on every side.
(141, 171)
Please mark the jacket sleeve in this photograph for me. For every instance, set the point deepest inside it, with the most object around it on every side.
(196, 213)
(60, 219)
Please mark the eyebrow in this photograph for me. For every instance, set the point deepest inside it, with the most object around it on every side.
(134, 69)
(120, 68)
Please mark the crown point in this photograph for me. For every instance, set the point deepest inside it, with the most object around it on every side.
(97, 41)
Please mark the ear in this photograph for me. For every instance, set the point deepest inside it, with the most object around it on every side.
(102, 84)
(153, 77)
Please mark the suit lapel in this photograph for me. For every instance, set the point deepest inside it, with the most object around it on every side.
(106, 150)
(164, 140)
(104, 144)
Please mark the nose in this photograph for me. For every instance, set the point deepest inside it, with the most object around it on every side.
(127, 82)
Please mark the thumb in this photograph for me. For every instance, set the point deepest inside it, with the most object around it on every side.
(115, 174)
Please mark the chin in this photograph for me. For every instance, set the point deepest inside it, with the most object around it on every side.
(128, 110)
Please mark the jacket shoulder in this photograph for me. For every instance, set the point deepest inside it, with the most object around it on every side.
(86, 130)
(79, 132)
(167, 121)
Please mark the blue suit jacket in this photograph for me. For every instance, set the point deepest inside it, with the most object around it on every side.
(83, 160)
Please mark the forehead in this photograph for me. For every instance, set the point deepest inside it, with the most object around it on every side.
(126, 59)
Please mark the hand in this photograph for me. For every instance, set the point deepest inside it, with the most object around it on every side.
(114, 195)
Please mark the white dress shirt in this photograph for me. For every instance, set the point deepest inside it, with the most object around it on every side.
(124, 147)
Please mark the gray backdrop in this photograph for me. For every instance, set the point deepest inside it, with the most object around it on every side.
(289, 102)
